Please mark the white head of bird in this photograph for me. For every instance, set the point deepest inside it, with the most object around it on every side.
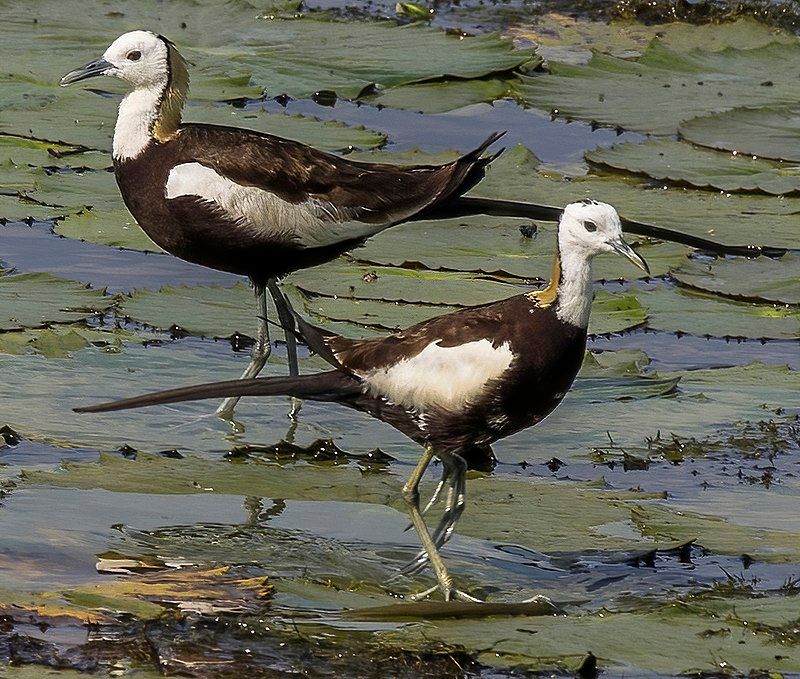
(159, 80)
(585, 230)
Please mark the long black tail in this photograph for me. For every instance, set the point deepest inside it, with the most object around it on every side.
(465, 206)
(327, 386)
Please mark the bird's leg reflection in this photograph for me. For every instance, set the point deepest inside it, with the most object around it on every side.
(256, 512)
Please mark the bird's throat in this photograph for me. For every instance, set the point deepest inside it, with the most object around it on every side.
(151, 113)
(575, 292)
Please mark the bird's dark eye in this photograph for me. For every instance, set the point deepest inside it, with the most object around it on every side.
(590, 226)
(135, 55)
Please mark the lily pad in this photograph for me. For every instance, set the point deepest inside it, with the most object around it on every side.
(442, 95)
(212, 311)
(63, 341)
(148, 596)
(754, 280)
(766, 132)
(685, 164)
(717, 534)
(114, 227)
(610, 313)
(570, 39)
(696, 313)
(666, 87)
(254, 50)
(32, 300)
(735, 219)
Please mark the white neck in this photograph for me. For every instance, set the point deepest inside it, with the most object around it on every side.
(137, 113)
(575, 292)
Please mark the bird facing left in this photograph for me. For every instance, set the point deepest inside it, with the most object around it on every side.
(247, 202)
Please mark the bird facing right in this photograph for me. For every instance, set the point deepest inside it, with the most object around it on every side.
(458, 382)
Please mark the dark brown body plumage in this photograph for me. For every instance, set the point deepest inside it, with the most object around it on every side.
(547, 354)
(201, 232)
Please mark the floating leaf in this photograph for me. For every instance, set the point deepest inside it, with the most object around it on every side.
(735, 219)
(697, 313)
(31, 300)
(569, 39)
(202, 310)
(62, 341)
(766, 132)
(685, 164)
(441, 96)
(754, 280)
(666, 87)
(717, 534)
(115, 227)
(252, 51)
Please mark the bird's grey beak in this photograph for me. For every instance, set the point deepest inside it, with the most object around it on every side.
(91, 70)
(622, 248)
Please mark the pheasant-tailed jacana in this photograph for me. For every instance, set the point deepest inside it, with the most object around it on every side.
(455, 383)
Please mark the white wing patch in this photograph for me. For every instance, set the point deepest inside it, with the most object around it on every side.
(309, 224)
(444, 377)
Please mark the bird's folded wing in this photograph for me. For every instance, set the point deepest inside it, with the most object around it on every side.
(309, 196)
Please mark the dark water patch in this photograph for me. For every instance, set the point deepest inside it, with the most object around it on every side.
(225, 646)
(677, 351)
(749, 471)
(554, 141)
(32, 453)
(37, 248)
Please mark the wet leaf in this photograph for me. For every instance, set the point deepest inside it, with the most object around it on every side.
(729, 218)
(442, 95)
(34, 299)
(696, 313)
(666, 87)
(251, 52)
(114, 227)
(201, 310)
(766, 132)
(685, 164)
(625, 638)
(438, 610)
(569, 39)
(63, 341)
(753, 280)
(717, 534)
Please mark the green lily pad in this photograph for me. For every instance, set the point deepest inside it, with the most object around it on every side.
(717, 534)
(736, 219)
(623, 640)
(610, 313)
(696, 313)
(32, 300)
(15, 206)
(114, 227)
(569, 39)
(254, 50)
(753, 280)
(442, 95)
(21, 151)
(666, 87)
(766, 132)
(676, 161)
(63, 341)
(212, 311)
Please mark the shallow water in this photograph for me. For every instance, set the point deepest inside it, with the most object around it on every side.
(655, 507)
